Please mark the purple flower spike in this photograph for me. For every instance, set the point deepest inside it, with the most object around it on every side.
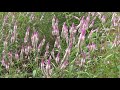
(13, 38)
(47, 51)
(57, 58)
(10, 55)
(41, 44)
(16, 56)
(82, 35)
(57, 43)
(64, 33)
(27, 35)
(55, 31)
(15, 26)
(91, 47)
(103, 19)
(64, 65)
(3, 61)
(65, 28)
(91, 25)
(42, 64)
(34, 39)
(48, 67)
(88, 18)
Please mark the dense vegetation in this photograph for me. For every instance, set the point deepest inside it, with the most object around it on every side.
(59, 44)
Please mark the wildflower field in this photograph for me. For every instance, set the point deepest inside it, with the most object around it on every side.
(59, 45)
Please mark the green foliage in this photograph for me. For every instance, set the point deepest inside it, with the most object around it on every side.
(101, 64)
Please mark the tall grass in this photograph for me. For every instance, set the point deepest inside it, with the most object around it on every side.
(59, 44)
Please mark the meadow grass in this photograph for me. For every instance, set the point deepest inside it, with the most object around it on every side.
(103, 62)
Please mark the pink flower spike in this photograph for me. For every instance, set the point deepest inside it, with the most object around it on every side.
(55, 31)
(47, 51)
(65, 28)
(7, 66)
(91, 25)
(15, 26)
(13, 38)
(16, 56)
(10, 55)
(88, 18)
(91, 47)
(42, 64)
(22, 49)
(27, 35)
(72, 28)
(28, 30)
(34, 39)
(64, 65)
(83, 32)
(103, 19)
(3, 61)
(57, 43)
(48, 66)
(52, 53)
(41, 44)
(82, 35)
(57, 58)
(53, 21)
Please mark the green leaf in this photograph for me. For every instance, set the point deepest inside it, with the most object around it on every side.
(118, 67)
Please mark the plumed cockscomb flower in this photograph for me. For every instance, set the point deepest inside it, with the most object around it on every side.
(53, 53)
(91, 25)
(79, 27)
(41, 44)
(28, 49)
(48, 65)
(13, 38)
(91, 47)
(82, 35)
(27, 35)
(15, 27)
(16, 56)
(55, 31)
(85, 25)
(3, 61)
(5, 64)
(48, 68)
(73, 31)
(57, 43)
(64, 65)
(46, 51)
(57, 59)
(10, 56)
(103, 19)
(64, 33)
(34, 39)
(88, 18)
(22, 52)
